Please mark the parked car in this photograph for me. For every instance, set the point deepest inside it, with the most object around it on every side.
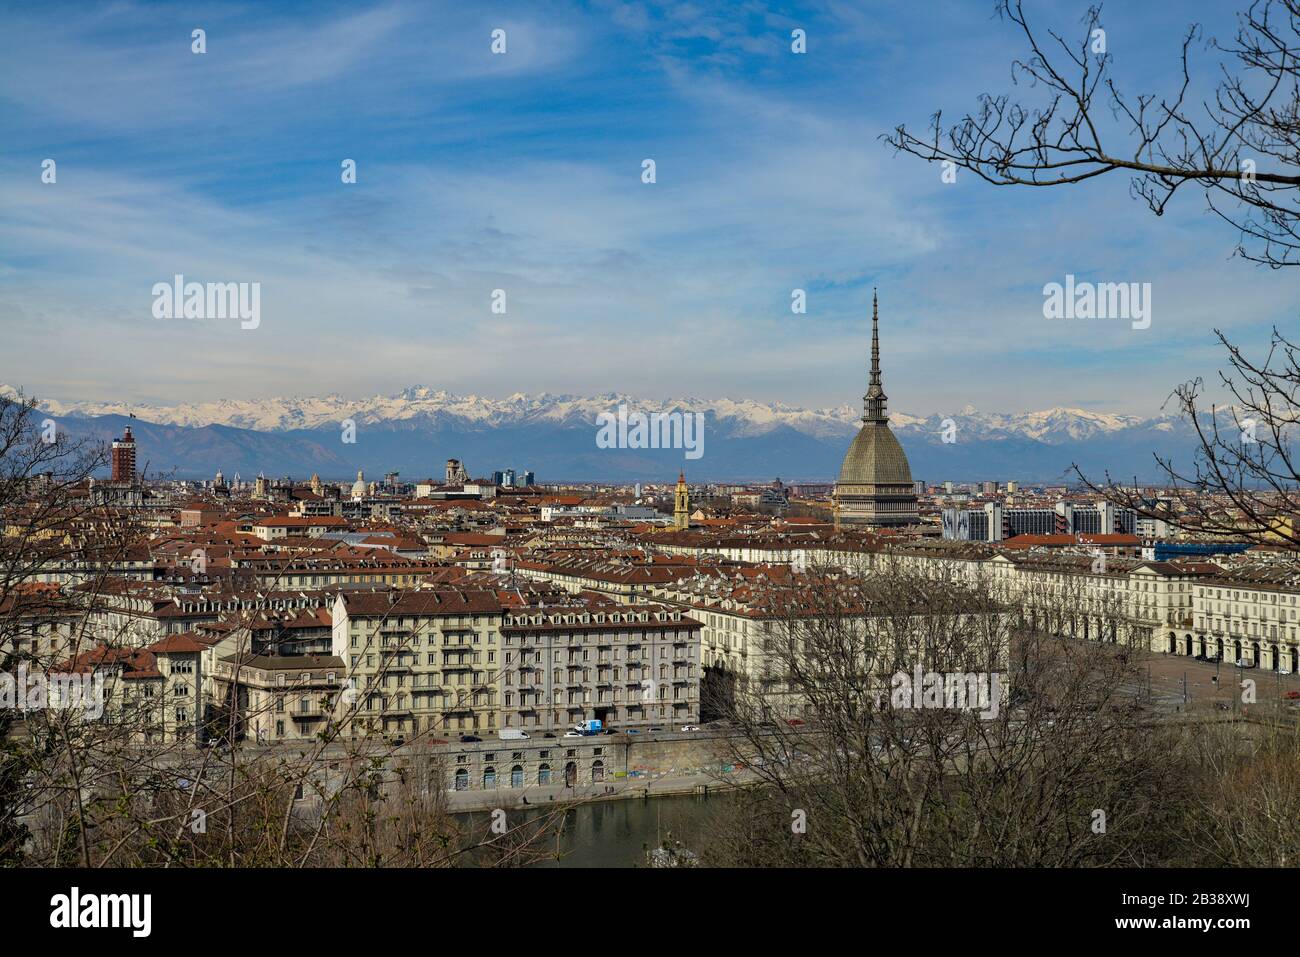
(1291, 695)
(469, 738)
(795, 722)
(549, 734)
(654, 729)
(689, 727)
(574, 734)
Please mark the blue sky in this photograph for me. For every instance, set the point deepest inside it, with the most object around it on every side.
(522, 172)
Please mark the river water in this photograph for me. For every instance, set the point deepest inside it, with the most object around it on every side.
(621, 833)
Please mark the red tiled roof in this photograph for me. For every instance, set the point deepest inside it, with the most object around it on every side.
(183, 644)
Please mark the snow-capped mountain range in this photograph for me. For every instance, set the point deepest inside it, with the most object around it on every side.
(554, 436)
(750, 417)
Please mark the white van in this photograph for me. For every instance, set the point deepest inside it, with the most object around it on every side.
(512, 734)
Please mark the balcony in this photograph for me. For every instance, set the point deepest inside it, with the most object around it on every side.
(399, 661)
(396, 641)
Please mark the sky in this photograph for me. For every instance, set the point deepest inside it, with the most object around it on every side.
(522, 171)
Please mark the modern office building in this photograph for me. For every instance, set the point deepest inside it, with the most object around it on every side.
(995, 523)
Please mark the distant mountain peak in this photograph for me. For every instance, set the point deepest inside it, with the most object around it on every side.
(555, 434)
(423, 402)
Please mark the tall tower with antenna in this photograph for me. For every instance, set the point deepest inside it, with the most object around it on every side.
(875, 483)
(123, 458)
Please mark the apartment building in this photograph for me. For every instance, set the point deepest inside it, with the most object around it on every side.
(1243, 612)
(153, 692)
(421, 661)
(627, 583)
(627, 666)
(749, 621)
(37, 623)
(1246, 614)
(322, 571)
(276, 698)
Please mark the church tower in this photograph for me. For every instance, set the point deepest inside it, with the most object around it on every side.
(682, 503)
(875, 484)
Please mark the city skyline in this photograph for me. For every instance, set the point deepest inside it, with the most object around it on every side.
(522, 171)
(650, 434)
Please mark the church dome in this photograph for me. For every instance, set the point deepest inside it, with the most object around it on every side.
(875, 483)
(875, 458)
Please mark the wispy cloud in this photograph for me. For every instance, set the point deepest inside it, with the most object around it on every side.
(523, 172)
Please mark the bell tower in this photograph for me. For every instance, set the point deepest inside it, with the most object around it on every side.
(682, 503)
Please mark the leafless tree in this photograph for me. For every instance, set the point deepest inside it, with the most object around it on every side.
(1067, 771)
(115, 792)
(1243, 480)
(1248, 796)
(1239, 144)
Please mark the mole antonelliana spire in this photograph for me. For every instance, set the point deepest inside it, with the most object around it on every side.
(874, 402)
(875, 483)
